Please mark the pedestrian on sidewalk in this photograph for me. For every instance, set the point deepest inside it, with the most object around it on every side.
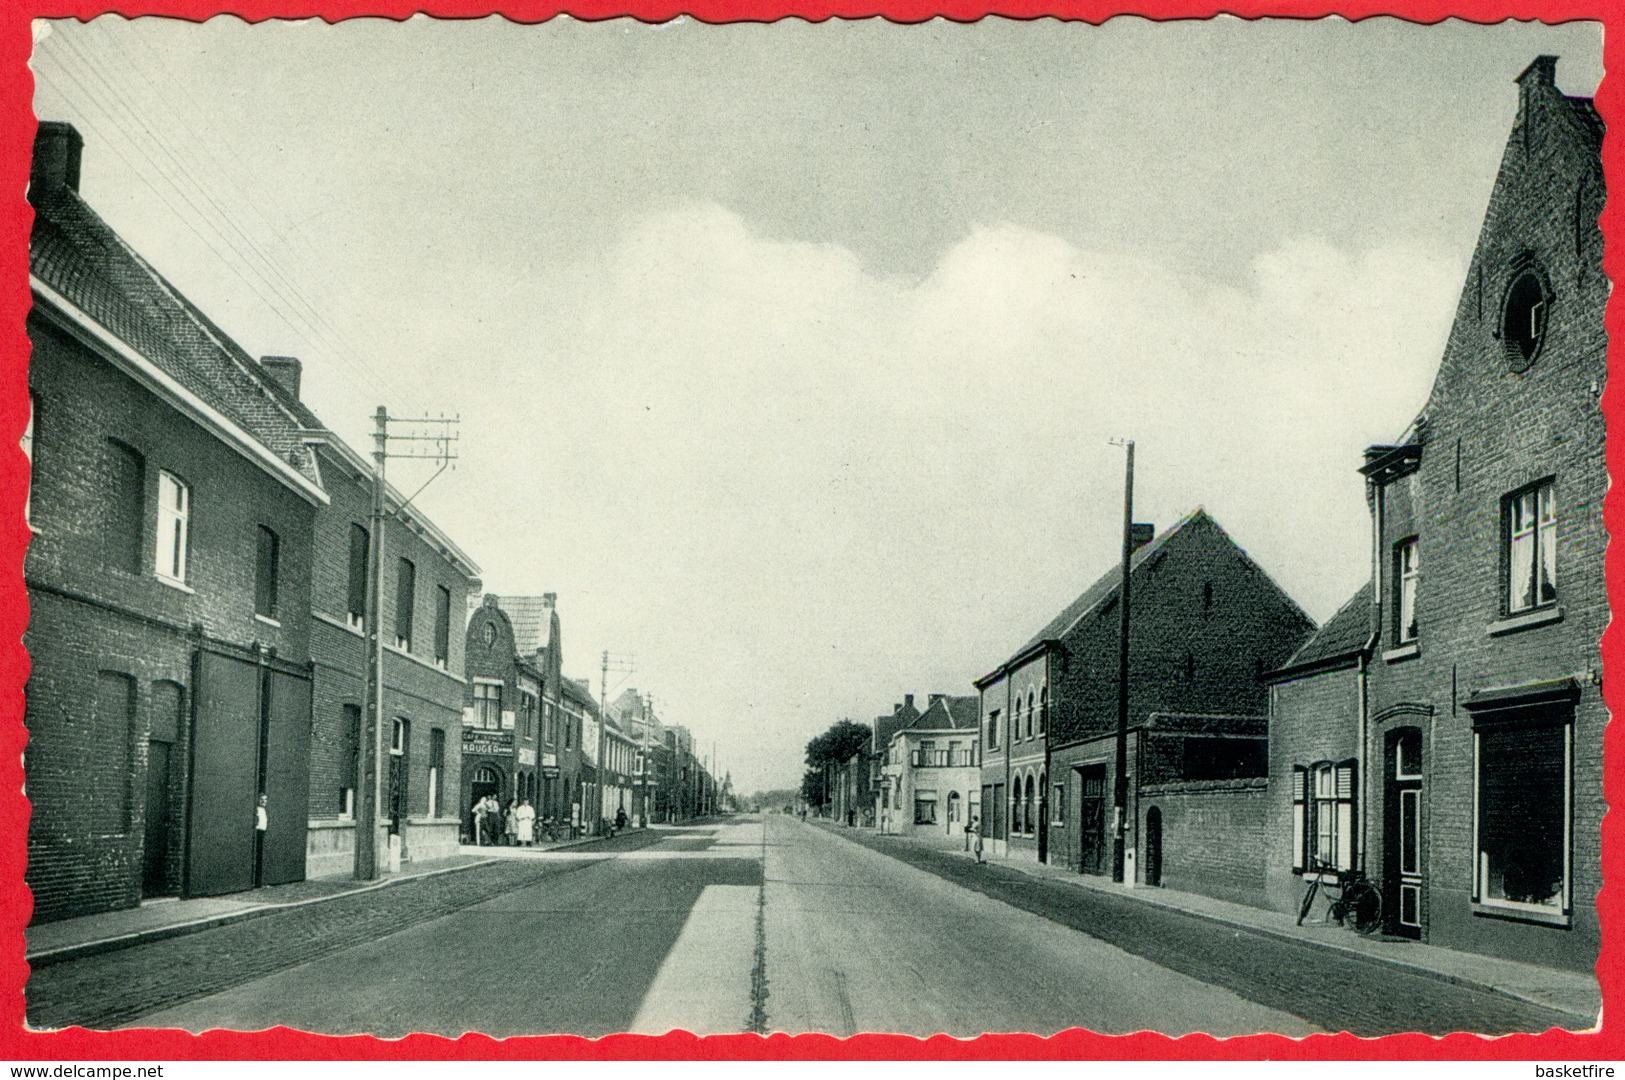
(262, 822)
(975, 829)
(620, 819)
(525, 823)
(510, 824)
(490, 820)
(476, 821)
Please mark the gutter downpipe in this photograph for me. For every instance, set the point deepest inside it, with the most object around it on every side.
(1008, 809)
(1375, 635)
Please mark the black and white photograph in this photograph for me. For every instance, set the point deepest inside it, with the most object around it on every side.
(581, 528)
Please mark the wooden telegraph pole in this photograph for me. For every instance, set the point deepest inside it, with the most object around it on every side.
(1120, 786)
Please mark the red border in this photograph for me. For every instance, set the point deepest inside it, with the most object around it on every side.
(17, 123)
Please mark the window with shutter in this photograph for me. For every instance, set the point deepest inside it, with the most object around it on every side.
(1300, 809)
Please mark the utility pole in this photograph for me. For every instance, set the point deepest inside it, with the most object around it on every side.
(624, 664)
(369, 785)
(1120, 787)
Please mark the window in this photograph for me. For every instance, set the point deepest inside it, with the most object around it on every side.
(1523, 812)
(266, 557)
(1523, 318)
(357, 610)
(1531, 548)
(1043, 708)
(349, 758)
(1405, 576)
(1029, 714)
(1323, 816)
(993, 729)
(925, 808)
(126, 506)
(953, 807)
(442, 625)
(406, 584)
(174, 525)
(488, 705)
(437, 766)
(527, 714)
(1057, 805)
(1029, 809)
(397, 736)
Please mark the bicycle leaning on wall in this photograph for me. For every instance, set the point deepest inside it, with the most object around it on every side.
(1352, 898)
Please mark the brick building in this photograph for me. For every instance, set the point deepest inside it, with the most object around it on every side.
(882, 803)
(173, 502)
(504, 751)
(931, 772)
(1206, 624)
(1474, 791)
(427, 580)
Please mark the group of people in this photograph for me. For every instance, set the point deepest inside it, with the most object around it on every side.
(491, 825)
(517, 826)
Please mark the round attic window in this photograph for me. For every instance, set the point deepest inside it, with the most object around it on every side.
(1523, 318)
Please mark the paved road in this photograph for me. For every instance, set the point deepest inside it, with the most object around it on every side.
(770, 925)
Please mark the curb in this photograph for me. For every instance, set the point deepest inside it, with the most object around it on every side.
(1591, 1021)
(64, 953)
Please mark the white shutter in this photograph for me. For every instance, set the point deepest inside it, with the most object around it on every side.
(1345, 816)
(1299, 825)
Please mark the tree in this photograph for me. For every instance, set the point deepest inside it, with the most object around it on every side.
(825, 752)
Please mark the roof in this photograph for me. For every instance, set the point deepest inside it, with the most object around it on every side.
(949, 714)
(1342, 638)
(581, 692)
(532, 619)
(414, 518)
(74, 252)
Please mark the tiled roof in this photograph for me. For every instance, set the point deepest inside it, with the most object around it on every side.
(532, 619)
(1585, 111)
(77, 254)
(1106, 586)
(950, 714)
(1343, 635)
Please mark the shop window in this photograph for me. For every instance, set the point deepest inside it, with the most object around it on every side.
(1522, 795)
(925, 808)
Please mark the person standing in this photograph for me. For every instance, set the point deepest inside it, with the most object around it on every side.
(525, 823)
(975, 829)
(476, 816)
(262, 822)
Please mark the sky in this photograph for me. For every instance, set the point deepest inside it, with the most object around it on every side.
(790, 355)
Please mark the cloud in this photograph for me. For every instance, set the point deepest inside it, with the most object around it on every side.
(802, 488)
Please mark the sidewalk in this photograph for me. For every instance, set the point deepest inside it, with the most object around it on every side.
(69, 939)
(1575, 993)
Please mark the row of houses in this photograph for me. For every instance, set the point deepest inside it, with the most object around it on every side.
(1441, 733)
(198, 582)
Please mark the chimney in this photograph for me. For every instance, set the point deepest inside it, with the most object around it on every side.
(57, 150)
(1140, 534)
(550, 599)
(284, 371)
(908, 701)
(1543, 72)
(936, 698)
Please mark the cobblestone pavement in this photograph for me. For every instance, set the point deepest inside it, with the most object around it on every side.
(1331, 990)
(108, 990)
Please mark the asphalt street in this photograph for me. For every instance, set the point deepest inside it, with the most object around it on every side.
(748, 925)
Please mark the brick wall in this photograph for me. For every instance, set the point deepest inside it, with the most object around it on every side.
(1212, 833)
(1490, 430)
(89, 617)
(1312, 719)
